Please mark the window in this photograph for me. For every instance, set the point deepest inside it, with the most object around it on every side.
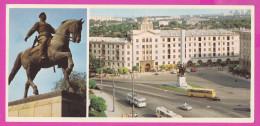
(143, 40)
(199, 38)
(163, 45)
(156, 57)
(179, 39)
(214, 38)
(156, 40)
(137, 46)
(194, 44)
(205, 44)
(179, 50)
(179, 56)
(173, 50)
(194, 55)
(194, 38)
(150, 39)
(128, 64)
(156, 46)
(173, 45)
(209, 49)
(137, 58)
(128, 58)
(168, 39)
(123, 58)
(218, 38)
(204, 38)
(169, 56)
(173, 39)
(128, 47)
(146, 39)
(137, 52)
(205, 49)
(123, 52)
(228, 38)
(137, 40)
(128, 52)
(189, 44)
(223, 43)
(163, 57)
(194, 50)
(156, 51)
(173, 56)
(163, 39)
(163, 51)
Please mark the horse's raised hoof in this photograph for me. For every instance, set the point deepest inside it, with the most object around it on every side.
(36, 92)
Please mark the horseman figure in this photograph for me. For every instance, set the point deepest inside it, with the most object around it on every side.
(54, 50)
(44, 30)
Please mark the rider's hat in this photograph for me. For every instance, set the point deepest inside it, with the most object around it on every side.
(42, 14)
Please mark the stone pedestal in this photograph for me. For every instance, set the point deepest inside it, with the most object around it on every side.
(55, 104)
(181, 81)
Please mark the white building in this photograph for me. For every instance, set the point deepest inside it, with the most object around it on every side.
(152, 48)
(245, 49)
(164, 23)
(105, 18)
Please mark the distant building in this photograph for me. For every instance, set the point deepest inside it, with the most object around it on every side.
(105, 18)
(245, 49)
(164, 23)
(148, 48)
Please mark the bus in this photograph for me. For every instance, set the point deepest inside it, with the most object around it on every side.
(162, 112)
(138, 101)
(201, 92)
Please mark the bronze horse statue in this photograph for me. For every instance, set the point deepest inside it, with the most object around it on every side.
(58, 53)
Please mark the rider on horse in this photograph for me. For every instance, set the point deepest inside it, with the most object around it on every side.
(44, 30)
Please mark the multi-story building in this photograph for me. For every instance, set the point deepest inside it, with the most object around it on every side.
(148, 48)
(245, 49)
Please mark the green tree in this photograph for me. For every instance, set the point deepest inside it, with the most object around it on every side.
(135, 68)
(123, 70)
(111, 71)
(163, 67)
(78, 81)
(98, 70)
(94, 63)
(170, 66)
(92, 84)
(99, 104)
(197, 64)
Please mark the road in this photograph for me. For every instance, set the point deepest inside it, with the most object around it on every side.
(234, 102)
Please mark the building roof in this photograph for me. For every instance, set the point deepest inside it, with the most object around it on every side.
(108, 39)
(196, 32)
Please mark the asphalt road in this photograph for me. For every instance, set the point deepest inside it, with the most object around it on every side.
(235, 96)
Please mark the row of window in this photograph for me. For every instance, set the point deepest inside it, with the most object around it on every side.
(187, 39)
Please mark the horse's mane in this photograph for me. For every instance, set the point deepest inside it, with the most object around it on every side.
(67, 21)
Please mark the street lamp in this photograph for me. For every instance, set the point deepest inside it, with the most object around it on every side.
(114, 109)
(101, 72)
(233, 48)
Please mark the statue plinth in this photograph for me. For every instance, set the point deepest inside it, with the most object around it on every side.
(181, 81)
(59, 103)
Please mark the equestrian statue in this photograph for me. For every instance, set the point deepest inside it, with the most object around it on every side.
(50, 51)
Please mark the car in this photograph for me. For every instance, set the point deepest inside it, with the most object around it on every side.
(215, 99)
(173, 72)
(156, 73)
(193, 70)
(188, 70)
(185, 106)
(99, 87)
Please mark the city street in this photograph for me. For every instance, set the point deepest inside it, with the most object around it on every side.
(235, 96)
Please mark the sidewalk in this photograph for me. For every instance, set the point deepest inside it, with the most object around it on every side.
(109, 101)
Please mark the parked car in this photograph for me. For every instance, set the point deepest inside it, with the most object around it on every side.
(215, 99)
(156, 73)
(173, 72)
(188, 70)
(193, 70)
(185, 106)
(99, 87)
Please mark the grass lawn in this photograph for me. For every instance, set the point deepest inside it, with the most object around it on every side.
(95, 114)
(167, 87)
(194, 85)
(181, 90)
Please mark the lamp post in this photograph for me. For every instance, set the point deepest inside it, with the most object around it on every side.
(101, 73)
(233, 48)
(114, 109)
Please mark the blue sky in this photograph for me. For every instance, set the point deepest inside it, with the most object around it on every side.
(20, 21)
(119, 12)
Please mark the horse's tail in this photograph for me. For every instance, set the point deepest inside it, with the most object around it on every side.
(17, 66)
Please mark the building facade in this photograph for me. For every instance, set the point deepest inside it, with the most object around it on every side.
(148, 48)
(245, 49)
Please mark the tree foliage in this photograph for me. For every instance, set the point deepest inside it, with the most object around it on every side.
(162, 66)
(92, 84)
(170, 66)
(78, 81)
(99, 104)
(135, 68)
(123, 70)
(98, 70)
(94, 63)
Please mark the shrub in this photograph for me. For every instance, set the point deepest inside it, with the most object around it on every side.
(162, 66)
(135, 68)
(92, 84)
(170, 66)
(111, 71)
(123, 70)
(99, 104)
(98, 70)
(197, 64)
